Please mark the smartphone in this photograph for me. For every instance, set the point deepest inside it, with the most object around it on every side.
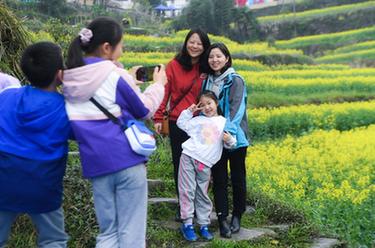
(145, 73)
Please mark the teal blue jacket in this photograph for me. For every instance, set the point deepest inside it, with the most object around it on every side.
(232, 102)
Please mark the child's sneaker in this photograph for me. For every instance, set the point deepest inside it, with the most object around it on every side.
(205, 233)
(188, 232)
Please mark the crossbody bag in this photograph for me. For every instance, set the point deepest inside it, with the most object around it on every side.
(141, 139)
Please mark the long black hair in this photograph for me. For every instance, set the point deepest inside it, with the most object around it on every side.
(183, 56)
(104, 29)
(223, 48)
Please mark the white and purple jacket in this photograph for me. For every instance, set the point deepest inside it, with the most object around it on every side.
(103, 147)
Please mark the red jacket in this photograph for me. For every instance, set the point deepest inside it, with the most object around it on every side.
(179, 82)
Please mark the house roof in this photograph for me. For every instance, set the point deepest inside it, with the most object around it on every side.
(162, 7)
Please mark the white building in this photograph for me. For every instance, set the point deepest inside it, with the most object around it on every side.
(172, 8)
(178, 4)
(258, 4)
(82, 2)
(121, 4)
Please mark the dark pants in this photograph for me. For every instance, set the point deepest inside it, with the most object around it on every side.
(238, 177)
(176, 137)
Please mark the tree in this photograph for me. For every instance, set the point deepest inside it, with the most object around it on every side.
(219, 17)
(154, 3)
(13, 40)
(53, 8)
(197, 14)
(244, 26)
(223, 15)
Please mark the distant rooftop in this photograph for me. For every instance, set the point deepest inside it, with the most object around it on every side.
(258, 4)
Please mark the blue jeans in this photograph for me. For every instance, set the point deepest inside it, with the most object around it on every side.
(120, 201)
(50, 228)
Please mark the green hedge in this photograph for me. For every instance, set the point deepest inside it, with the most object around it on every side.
(356, 58)
(269, 100)
(368, 45)
(306, 86)
(282, 59)
(326, 67)
(319, 43)
(298, 120)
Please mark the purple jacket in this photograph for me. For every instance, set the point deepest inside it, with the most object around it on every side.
(7, 81)
(104, 148)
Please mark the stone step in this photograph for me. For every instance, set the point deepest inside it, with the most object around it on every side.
(243, 234)
(325, 243)
(249, 210)
(278, 228)
(74, 153)
(155, 184)
(158, 200)
(198, 244)
(250, 234)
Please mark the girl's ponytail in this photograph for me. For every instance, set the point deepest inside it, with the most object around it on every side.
(99, 31)
(75, 54)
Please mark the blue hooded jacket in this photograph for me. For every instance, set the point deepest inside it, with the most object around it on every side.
(34, 130)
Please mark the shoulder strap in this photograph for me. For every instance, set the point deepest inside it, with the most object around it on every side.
(106, 112)
(182, 96)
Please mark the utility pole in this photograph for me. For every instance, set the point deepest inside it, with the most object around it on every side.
(294, 17)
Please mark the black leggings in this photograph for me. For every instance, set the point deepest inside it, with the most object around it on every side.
(176, 137)
(238, 177)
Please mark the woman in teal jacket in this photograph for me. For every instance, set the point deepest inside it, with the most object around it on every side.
(230, 89)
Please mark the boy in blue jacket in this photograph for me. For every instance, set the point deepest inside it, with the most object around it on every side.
(34, 130)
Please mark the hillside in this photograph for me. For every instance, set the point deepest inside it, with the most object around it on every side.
(301, 5)
(330, 33)
(318, 21)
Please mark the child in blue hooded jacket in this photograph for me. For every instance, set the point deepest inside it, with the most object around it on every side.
(34, 130)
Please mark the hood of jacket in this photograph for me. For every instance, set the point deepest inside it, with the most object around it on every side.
(37, 112)
(33, 123)
(80, 84)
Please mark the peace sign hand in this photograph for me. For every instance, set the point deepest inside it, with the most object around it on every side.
(195, 107)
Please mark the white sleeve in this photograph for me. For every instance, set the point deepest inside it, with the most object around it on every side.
(183, 121)
(151, 97)
(231, 143)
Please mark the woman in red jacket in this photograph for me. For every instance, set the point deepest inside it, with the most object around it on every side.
(185, 74)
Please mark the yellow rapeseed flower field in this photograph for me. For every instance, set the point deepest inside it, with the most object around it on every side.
(300, 119)
(330, 175)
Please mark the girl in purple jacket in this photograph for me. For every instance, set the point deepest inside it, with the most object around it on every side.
(118, 174)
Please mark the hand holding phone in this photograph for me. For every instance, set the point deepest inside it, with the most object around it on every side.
(145, 73)
(160, 75)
